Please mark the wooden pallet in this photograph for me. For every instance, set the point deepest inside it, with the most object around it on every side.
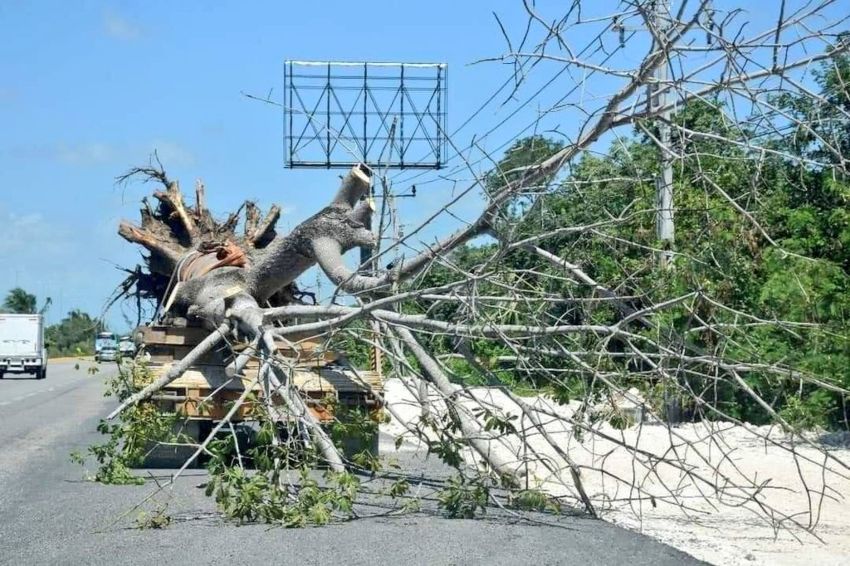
(205, 391)
(165, 344)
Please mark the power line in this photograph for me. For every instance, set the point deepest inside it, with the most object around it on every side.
(521, 106)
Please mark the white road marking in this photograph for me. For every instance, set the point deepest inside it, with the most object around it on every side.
(22, 397)
(28, 395)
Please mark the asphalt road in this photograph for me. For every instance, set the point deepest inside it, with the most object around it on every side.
(50, 515)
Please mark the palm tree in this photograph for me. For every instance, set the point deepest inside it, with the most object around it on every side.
(19, 301)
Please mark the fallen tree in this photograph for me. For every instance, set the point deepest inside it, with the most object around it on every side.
(241, 286)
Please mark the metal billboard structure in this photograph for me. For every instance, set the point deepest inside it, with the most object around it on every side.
(386, 115)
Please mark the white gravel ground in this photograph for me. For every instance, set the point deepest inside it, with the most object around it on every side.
(716, 529)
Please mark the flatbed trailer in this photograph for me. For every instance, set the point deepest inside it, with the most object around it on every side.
(204, 393)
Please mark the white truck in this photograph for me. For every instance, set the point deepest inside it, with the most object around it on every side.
(22, 346)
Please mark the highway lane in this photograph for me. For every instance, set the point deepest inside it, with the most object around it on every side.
(62, 375)
(35, 414)
(49, 515)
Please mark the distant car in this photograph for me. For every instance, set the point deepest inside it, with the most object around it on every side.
(126, 347)
(105, 341)
(107, 354)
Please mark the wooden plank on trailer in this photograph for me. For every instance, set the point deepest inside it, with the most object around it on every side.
(189, 335)
(311, 382)
(162, 353)
(344, 379)
(209, 376)
(305, 360)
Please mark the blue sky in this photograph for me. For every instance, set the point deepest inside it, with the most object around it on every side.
(89, 89)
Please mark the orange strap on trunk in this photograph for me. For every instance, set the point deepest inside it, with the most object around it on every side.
(210, 257)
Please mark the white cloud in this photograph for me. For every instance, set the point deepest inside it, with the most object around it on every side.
(24, 236)
(172, 154)
(94, 153)
(118, 27)
(31, 219)
(65, 257)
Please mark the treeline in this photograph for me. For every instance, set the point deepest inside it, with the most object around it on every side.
(72, 336)
(760, 238)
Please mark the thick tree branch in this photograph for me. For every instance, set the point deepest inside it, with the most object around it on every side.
(150, 241)
(173, 198)
(265, 229)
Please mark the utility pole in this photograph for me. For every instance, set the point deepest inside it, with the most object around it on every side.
(658, 97)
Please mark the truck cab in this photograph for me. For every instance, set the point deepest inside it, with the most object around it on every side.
(22, 346)
(105, 347)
